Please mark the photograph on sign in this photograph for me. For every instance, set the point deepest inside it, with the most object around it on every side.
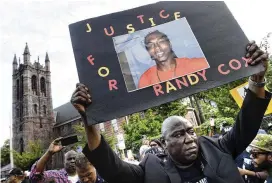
(159, 54)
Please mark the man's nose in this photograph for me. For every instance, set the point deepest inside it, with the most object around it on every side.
(85, 179)
(188, 139)
(157, 46)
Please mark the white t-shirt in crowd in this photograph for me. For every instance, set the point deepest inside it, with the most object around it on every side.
(73, 179)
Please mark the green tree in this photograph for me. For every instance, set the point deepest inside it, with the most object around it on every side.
(150, 124)
(269, 75)
(33, 151)
(138, 126)
(226, 105)
(80, 131)
(170, 109)
(5, 153)
(205, 128)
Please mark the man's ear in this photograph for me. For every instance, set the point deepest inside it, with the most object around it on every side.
(164, 142)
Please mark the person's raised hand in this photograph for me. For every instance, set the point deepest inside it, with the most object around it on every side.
(256, 56)
(55, 146)
(81, 98)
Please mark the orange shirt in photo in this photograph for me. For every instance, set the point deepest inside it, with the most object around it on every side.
(184, 66)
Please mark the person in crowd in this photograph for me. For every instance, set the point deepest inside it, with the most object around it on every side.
(67, 174)
(144, 147)
(157, 149)
(168, 66)
(155, 143)
(245, 155)
(86, 171)
(261, 155)
(16, 175)
(190, 158)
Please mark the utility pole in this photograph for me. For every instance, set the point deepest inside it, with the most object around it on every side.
(11, 144)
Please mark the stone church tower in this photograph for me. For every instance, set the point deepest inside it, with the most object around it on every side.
(32, 111)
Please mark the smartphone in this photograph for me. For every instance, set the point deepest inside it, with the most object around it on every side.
(69, 140)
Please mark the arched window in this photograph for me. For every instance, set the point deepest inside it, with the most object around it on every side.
(43, 86)
(17, 89)
(34, 84)
(35, 106)
(44, 110)
(21, 145)
(21, 111)
(21, 128)
(22, 88)
(17, 112)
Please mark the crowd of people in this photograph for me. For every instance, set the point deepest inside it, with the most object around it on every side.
(238, 155)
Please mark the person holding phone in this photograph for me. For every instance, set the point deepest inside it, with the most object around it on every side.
(67, 174)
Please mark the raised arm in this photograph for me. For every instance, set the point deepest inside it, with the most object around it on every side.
(37, 173)
(252, 111)
(108, 164)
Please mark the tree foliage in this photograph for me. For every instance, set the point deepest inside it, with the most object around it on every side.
(5, 153)
(205, 128)
(80, 131)
(269, 75)
(226, 105)
(33, 151)
(150, 124)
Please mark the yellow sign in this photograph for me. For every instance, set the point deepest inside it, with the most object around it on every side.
(239, 94)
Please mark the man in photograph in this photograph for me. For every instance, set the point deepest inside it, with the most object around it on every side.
(168, 66)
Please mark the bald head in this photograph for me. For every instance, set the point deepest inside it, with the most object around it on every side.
(69, 161)
(171, 122)
(180, 140)
(71, 152)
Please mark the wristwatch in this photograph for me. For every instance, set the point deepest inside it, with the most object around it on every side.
(257, 84)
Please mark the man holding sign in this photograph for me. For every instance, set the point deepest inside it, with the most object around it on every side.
(190, 158)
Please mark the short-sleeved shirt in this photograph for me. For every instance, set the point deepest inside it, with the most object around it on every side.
(184, 66)
(54, 176)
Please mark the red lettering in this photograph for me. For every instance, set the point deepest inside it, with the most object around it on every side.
(163, 16)
(112, 84)
(109, 34)
(203, 74)
(220, 69)
(90, 59)
(141, 18)
(235, 61)
(158, 89)
(246, 61)
(179, 82)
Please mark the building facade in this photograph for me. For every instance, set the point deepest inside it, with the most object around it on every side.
(32, 113)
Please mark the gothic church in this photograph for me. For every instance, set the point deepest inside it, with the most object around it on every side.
(32, 112)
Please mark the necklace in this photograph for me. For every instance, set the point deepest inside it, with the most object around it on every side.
(174, 74)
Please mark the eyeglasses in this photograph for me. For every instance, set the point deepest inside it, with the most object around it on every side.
(162, 40)
(256, 153)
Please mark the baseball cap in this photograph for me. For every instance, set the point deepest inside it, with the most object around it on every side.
(262, 142)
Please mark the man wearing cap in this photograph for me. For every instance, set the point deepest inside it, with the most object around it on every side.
(16, 175)
(261, 155)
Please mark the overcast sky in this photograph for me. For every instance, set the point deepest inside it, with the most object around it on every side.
(44, 26)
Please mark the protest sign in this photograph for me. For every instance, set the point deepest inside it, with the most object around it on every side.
(143, 57)
(239, 94)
